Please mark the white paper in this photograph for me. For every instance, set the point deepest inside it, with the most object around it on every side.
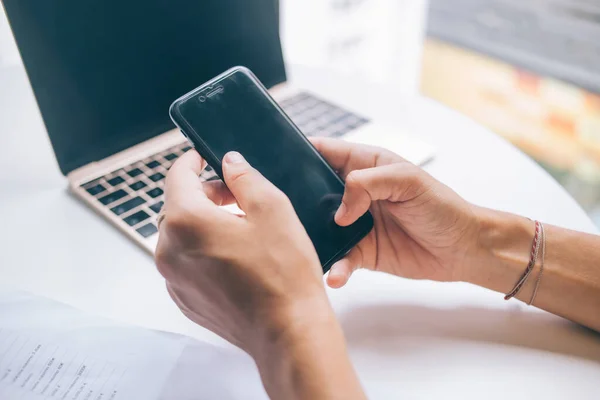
(213, 373)
(52, 351)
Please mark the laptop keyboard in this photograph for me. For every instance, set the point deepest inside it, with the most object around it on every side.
(135, 193)
(316, 117)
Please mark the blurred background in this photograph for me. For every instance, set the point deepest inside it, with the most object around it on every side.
(528, 70)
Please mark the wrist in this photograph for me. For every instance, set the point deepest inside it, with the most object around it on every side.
(304, 355)
(502, 250)
(287, 325)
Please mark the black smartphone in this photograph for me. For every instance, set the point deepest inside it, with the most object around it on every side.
(234, 112)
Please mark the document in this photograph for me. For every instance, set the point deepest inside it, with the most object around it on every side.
(52, 351)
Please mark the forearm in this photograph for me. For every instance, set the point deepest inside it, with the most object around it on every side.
(309, 360)
(570, 284)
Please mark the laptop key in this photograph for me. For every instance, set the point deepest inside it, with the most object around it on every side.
(171, 157)
(154, 193)
(94, 190)
(136, 218)
(112, 197)
(361, 121)
(128, 205)
(135, 172)
(117, 180)
(186, 148)
(147, 230)
(340, 132)
(153, 164)
(138, 185)
(157, 207)
(157, 177)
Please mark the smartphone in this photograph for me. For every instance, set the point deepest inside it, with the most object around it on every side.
(234, 112)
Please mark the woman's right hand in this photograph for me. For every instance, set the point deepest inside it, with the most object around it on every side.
(423, 230)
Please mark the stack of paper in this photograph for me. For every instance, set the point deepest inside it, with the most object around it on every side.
(52, 351)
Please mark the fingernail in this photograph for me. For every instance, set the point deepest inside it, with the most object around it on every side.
(336, 276)
(341, 212)
(233, 157)
(336, 271)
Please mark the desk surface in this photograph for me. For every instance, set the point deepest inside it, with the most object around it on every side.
(408, 339)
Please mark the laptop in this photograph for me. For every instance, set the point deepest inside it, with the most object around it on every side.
(104, 74)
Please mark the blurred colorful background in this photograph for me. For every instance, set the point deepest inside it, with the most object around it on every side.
(530, 71)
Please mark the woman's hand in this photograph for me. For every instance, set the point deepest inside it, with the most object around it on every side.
(423, 230)
(255, 280)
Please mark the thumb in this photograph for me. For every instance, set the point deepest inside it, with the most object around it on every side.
(398, 182)
(253, 192)
(340, 272)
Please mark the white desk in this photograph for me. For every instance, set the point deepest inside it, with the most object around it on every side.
(408, 339)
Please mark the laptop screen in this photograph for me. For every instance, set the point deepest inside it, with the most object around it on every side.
(104, 72)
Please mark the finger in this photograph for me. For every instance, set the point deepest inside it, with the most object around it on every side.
(189, 215)
(395, 182)
(255, 195)
(342, 270)
(183, 177)
(345, 156)
(218, 193)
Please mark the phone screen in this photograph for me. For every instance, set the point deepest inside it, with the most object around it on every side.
(234, 112)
